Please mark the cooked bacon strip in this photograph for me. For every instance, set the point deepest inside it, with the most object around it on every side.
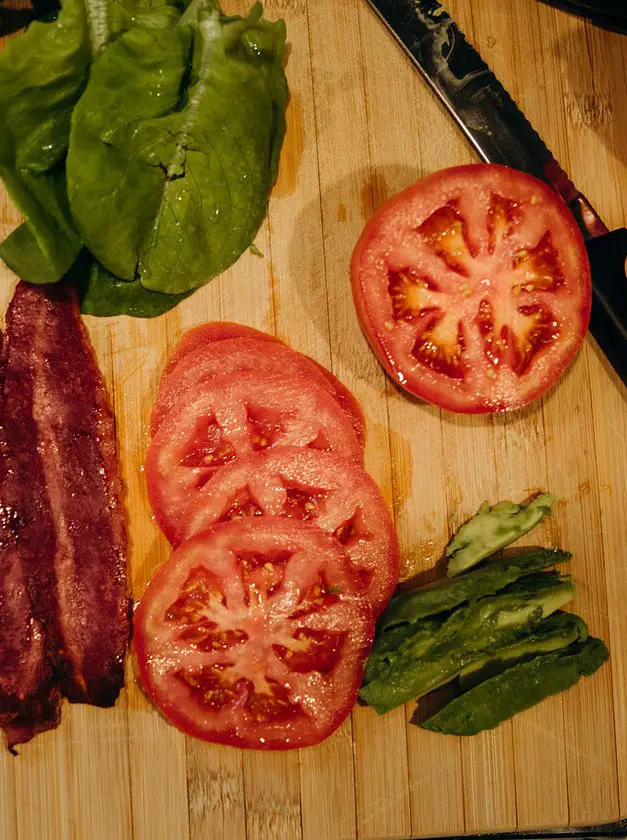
(29, 698)
(61, 498)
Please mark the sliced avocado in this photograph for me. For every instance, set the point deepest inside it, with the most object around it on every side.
(408, 608)
(491, 529)
(533, 598)
(518, 688)
(440, 648)
(553, 633)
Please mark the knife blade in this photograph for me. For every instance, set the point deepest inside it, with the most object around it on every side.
(500, 133)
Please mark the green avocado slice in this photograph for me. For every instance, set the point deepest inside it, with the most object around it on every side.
(518, 688)
(440, 648)
(408, 608)
(492, 529)
(553, 633)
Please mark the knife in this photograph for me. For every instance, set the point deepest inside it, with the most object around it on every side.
(500, 133)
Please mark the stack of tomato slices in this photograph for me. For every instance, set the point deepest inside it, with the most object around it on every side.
(255, 631)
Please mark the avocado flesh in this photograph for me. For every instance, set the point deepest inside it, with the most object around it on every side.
(491, 529)
(518, 688)
(408, 608)
(556, 632)
(440, 648)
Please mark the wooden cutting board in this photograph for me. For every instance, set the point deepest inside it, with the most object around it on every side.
(362, 125)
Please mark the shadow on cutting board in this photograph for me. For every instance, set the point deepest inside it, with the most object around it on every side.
(346, 206)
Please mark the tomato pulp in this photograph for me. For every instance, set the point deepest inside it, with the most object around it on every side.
(211, 357)
(230, 417)
(311, 486)
(473, 288)
(254, 634)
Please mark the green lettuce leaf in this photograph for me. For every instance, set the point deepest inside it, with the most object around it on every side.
(102, 294)
(174, 146)
(111, 18)
(42, 76)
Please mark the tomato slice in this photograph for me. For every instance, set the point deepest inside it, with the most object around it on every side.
(233, 416)
(206, 334)
(317, 487)
(254, 634)
(229, 355)
(473, 288)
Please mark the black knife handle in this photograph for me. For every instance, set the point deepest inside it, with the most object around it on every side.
(610, 14)
(608, 321)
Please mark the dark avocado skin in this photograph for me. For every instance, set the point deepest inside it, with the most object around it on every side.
(518, 688)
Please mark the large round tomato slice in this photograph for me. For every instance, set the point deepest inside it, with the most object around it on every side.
(317, 487)
(473, 288)
(233, 416)
(218, 358)
(254, 634)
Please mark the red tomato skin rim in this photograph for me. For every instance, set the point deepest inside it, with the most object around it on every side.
(208, 333)
(370, 331)
(215, 331)
(347, 400)
(187, 727)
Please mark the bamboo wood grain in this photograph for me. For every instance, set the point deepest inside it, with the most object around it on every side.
(362, 125)
(157, 777)
(380, 754)
(299, 281)
(272, 783)
(215, 786)
(395, 149)
(8, 801)
(100, 750)
(328, 787)
(42, 787)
